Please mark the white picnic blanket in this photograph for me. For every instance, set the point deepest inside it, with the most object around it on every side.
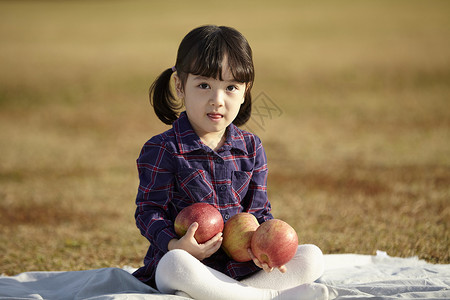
(348, 276)
(352, 276)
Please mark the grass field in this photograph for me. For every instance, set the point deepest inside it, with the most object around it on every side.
(358, 135)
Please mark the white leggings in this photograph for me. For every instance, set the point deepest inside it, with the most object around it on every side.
(180, 273)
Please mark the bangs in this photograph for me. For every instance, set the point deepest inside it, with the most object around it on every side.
(206, 56)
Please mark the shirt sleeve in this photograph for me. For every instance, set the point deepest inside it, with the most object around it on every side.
(156, 182)
(256, 196)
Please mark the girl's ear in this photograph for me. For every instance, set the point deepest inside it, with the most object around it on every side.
(178, 86)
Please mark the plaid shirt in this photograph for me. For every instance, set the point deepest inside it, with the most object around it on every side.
(177, 169)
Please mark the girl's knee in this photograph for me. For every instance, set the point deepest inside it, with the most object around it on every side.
(311, 259)
(174, 267)
(310, 250)
(174, 258)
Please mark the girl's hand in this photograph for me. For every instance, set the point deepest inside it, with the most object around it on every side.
(189, 244)
(264, 266)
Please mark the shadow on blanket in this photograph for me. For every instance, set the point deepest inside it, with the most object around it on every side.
(107, 283)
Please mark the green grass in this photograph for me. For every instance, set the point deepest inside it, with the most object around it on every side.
(359, 157)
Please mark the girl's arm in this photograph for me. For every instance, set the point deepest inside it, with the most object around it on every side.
(256, 197)
(156, 179)
(155, 212)
(259, 202)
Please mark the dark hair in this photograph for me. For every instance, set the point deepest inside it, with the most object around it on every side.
(201, 53)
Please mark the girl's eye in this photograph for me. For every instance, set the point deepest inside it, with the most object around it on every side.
(203, 86)
(232, 88)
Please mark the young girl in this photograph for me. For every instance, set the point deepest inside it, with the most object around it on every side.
(205, 157)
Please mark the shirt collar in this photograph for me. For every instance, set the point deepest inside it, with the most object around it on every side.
(235, 139)
(188, 140)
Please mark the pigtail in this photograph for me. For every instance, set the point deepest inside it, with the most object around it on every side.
(162, 99)
(245, 111)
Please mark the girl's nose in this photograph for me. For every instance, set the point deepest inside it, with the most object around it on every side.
(217, 98)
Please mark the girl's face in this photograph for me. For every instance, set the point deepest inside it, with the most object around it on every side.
(211, 104)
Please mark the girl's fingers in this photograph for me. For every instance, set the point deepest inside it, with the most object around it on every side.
(217, 245)
(266, 268)
(191, 230)
(253, 257)
(210, 247)
(217, 239)
(251, 254)
(261, 265)
(282, 269)
(255, 260)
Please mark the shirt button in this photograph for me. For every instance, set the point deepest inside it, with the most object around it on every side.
(222, 188)
(219, 160)
(226, 217)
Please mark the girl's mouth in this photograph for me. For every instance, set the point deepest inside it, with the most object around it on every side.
(215, 116)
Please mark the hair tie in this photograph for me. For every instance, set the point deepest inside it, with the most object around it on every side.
(174, 69)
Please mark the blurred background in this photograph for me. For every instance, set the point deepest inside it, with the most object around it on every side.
(351, 100)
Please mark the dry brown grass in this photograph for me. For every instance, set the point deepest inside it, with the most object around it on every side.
(359, 158)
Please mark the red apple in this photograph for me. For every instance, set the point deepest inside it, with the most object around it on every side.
(275, 243)
(237, 236)
(209, 221)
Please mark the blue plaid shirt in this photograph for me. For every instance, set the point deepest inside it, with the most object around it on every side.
(177, 169)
